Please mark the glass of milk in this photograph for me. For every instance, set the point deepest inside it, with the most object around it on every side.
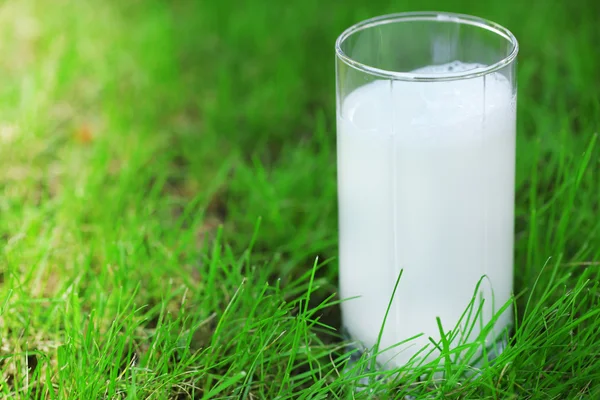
(426, 114)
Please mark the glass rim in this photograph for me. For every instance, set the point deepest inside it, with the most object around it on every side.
(427, 16)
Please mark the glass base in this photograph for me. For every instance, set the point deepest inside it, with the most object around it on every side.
(357, 351)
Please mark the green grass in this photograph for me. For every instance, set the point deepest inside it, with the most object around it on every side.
(168, 203)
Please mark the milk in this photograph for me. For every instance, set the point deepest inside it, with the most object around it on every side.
(425, 185)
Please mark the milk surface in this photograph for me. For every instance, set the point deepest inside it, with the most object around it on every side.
(426, 185)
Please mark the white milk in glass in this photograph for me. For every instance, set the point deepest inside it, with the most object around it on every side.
(425, 185)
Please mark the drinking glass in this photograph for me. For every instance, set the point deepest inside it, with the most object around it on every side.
(426, 123)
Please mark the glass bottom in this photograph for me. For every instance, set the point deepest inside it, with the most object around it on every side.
(357, 351)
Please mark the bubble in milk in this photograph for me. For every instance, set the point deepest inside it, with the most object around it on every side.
(449, 68)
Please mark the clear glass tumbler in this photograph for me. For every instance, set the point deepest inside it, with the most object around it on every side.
(426, 121)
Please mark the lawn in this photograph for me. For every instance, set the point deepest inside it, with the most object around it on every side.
(168, 203)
